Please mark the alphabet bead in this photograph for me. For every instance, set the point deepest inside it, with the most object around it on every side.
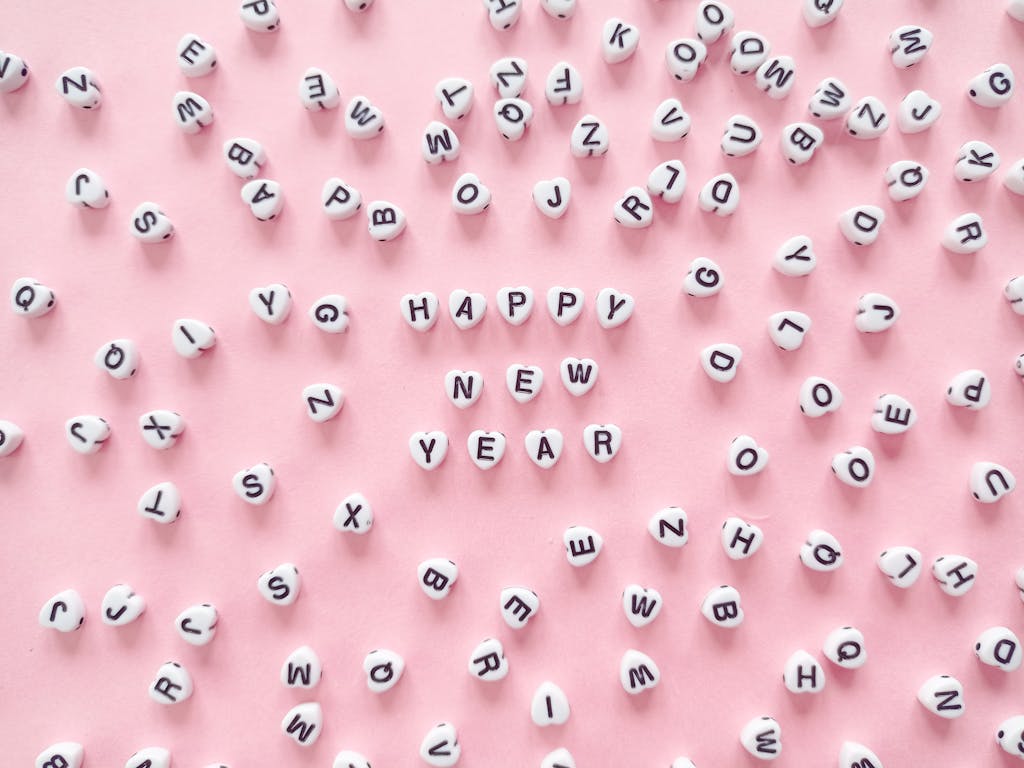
(893, 415)
(559, 9)
(440, 143)
(634, 209)
(991, 481)
(64, 612)
(619, 40)
(280, 585)
(589, 137)
(362, 119)
(564, 304)
(704, 278)
(1014, 178)
(197, 624)
(196, 57)
(30, 298)
(512, 116)
(762, 738)
(508, 76)
(11, 436)
(303, 723)
(172, 684)
(455, 95)
(549, 706)
(721, 606)
(1019, 581)
(831, 99)
(614, 308)
(714, 20)
(905, 179)
(161, 503)
(721, 361)
(383, 669)
(150, 757)
(419, 310)
(161, 428)
(440, 747)
(463, 387)
(942, 695)
(975, 161)
(746, 457)
(318, 91)
(582, 545)
(854, 466)
(669, 526)
(578, 375)
(740, 539)
(876, 312)
(684, 58)
(800, 141)
(819, 396)
(192, 337)
(720, 195)
(544, 447)
(955, 574)
(466, 309)
(747, 52)
(788, 328)
(776, 76)
(1018, 368)
(323, 401)
(803, 674)
(602, 441)
(1014, 293)
(428, 449)
(256, 484)
(271, 303)
(638, 672)
(965, 234)
(503, 13)
(150, 224)
(244, 157)
(86, 434)
(908, 45)
(993, 87)
(119, 358)
(795, 257)
(470, 195)
(999, 647)
(79, 87)
(969, 389)
(260, 15)
(867, 119)
(1010, 735)
(87, 189)
(861, 224)
(668, 181)
(191, 111)
(641, 605)
(902, 565)
(330, 313)
(551, 196)
(386, 221)
(436, 577)
(818, 13)
(347, 758)
(741, 136)
(564, 84)
(1015, 10)
(354, 515)
(340, 200)
(844, 647)
(917, 112)
(487, 662)
(13, 72)
(524, 382)
(682, 762)
(518, 606)
(670, 122)
(821, 551)
(515, 304)
(854, 755)
(66, 754)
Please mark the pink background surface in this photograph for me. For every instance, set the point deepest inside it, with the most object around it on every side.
(70, 520)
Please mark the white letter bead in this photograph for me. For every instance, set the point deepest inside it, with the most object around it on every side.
(13, 72)
(788, 328)
(905, 179)
(721, 606)
(518, 605)
(638, 672)
(487, 662)
(383, 669)
(795, 257)
(440, 748)
(704, 278)
(551, 196)
(619, 40)
(740, 539)
(150, 224)
(589, 137)
(955, 574)
(317, 90)
(550, 705)
(976, 160)
(264, 198)
(867, 119)
(280, 585)
(428, 449)
(741, 136)
(902, 565)
(819, 396)
(503, 13)
(854, 466)
(821, 551)
(341, 201)
(818, 13)
(559, 9)
(260, 15)
(385, 221)
(354, 515)
(969, 389)
(564, 85)
(965, 234)
(670, 122)
(1019, 581)
(66, 754)
(747, 52)
(893, 415)
(544, 447)
(942, 695)
(512, 116)
(1010, 735)
(303, 723)
(684, 58)
(640, 604)
(1015, 9)
(192, 337)
(244, 157)
(161, 428)
(440, 143)
(668, 181)
(171, 685)
(1014, 178)
(602, 441)
(803, 674)
(762, 738)
(721, 361)
(161, 503)
(470, 195)
(87, 189)
(908, 45)
(854, 755)
(917, 112)
(64, 612)
(150, 757)
(1014, 293)
(347, 758)
(197, 624)
(119, 358)
(799, 142)
(86, 434)
(30, 298)
(682, 762)
(579, 375)
(844, 647)
(668, 526)
(564, 304)
(508, 76)
(196, 57)
(861, 224)
(614, 308)
(455, 95)
(436, 577)
(11, 436)
(999, 647)
(720, 195)
(1018, 368)
(463, 387)
(993, 87)
(79, 88)
(776, 76)
(582, 545)
(634, 209)
(515, 304)
(830, 100)
(746, 457)
(271, 303)
(419, 310)
(255, 485)
(121, 606)
(192, 111)
(714, 20)
(466, 309)
(876, 312)
(323, 401)
(991, 481)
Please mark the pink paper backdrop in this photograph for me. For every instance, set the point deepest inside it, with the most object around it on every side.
(70, 520)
